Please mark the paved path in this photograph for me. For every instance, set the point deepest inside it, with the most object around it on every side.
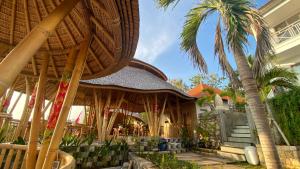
(207, 162)
(202, 159)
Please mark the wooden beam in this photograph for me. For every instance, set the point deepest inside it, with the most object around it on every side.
(12, 23)
(96, 59)
(26, 15)
(53, 66)
(74, 25)
(106, 51)
(103, 30)
(38, 16)
(97, 4)
(55, 31)
(34, 66)
(65, 25)
(88, 68)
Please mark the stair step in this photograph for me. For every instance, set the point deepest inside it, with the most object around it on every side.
(232, 150)
(242, 127)
(232, 156)
(246, 131)
(240, 139)
(240, 135)
(236, 144)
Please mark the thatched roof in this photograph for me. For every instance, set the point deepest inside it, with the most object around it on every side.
(138, 77)
(114, 25)
(135, 79)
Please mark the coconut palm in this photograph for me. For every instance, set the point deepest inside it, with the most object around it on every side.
(273, 77)
(238, 20)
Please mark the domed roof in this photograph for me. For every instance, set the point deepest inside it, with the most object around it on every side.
(113, 24)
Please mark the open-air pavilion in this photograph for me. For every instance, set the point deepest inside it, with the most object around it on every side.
(137, 88)
(63, 41)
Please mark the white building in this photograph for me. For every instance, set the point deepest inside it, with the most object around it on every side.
(283, 17)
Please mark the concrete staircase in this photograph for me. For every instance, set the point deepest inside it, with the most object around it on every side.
(234, 148)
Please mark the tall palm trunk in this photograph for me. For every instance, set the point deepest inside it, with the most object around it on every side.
(257, 110)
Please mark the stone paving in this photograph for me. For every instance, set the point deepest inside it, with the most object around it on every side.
(207, 162)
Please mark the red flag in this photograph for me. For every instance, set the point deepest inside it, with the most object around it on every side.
(78, 118)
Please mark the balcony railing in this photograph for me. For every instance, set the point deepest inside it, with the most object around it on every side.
(288, 32)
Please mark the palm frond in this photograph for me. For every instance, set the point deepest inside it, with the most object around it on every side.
(189, 34)
(166, 3)
(220, 53)
(233, 14)
(262, 35)
(278, 77)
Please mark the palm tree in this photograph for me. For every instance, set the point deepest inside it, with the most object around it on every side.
(273, 77)
(239, 20)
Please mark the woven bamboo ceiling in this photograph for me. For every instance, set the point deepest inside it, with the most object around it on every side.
(114, 25)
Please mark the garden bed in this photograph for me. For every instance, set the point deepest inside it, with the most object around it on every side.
(160, 160)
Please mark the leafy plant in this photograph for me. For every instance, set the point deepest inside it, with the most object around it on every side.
(207, 130)
(286, 109)
(186, 141)
(20, 141)
(169, 161)
(72, 141)
(3, 132)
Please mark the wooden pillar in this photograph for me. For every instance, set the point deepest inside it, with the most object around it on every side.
(115, 114)
(97, 113)
(25, 112)
(36, 119)
(56, 106)
(74, 83)
(16, 60)
(106, 109)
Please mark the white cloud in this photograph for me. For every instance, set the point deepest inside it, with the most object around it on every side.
(150, 48)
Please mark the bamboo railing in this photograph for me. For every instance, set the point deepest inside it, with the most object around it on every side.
(12, 156)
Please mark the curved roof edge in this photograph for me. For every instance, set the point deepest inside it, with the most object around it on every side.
(150, 68)
(127, 89)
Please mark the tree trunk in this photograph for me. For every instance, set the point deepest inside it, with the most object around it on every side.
(257, 110)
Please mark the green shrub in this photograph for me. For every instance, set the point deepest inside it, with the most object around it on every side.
(286, 110)
(169, 161)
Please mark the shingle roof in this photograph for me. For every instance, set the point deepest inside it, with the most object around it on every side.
(137, 79)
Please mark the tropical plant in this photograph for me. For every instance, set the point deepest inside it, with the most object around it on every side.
(212, 80)
(207, 98)
(273, 77)
(236, 21)
(71, 141)
(179, 84)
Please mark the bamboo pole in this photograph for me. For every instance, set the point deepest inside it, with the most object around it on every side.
(15, 104)
(16, 60)
(115, 114)
(35, 123)
(56, 106)
(58, 131)
(106, 109)
(97, 113)
(19, 127)
(161, 113)
(28, 111)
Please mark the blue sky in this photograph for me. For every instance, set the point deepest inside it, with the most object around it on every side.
(159, 42)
